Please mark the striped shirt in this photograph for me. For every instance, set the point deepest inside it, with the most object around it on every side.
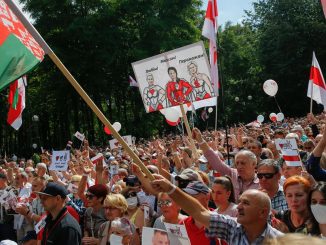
(226, 228)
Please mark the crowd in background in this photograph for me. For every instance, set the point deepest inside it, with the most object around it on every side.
(233, 188)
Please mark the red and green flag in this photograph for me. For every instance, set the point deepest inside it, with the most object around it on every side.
(19, 51)
(16, 100)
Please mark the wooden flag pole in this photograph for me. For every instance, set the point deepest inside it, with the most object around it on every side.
(192, 143)
(77, 87)
(311, 95)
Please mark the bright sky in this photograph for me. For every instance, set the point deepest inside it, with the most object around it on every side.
(231, 10)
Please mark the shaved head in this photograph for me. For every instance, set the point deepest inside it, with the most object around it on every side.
(261, 198)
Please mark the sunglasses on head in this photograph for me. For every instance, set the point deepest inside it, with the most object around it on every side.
(166, 203)
(265, 175)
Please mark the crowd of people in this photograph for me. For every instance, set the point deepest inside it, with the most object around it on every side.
(234, 188)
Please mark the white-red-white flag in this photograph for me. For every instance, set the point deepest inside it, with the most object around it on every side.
(133, 82)
(323, 4)
(209, 31)
(317, 86)
(16, 101)
(291, 157)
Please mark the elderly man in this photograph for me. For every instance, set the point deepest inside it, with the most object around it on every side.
(268, 173)
(251, 226)
(243, 177)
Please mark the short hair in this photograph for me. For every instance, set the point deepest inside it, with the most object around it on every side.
(249, 154)
(270, 163)
(116, 200)
(279, 131)
(41, 165)
(297, 180)
(257, 143)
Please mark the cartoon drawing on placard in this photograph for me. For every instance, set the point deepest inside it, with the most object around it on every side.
(154, 95)
(178, 90)
(200, 82)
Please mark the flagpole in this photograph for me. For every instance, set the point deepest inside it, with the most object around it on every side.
(311, 95)
(77, 87)
(185, 120)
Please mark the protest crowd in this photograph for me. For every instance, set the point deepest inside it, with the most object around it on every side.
(239, 189)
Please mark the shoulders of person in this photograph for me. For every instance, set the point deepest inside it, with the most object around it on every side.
(70, 221)
(273, 232)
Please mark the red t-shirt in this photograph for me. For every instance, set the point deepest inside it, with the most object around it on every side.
(197, 235)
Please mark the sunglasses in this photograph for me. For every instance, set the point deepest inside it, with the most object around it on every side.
(265, 175)
(90, 196)
(166, 203)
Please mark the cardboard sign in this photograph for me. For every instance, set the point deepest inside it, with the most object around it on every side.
(286, 144)
(115, 144)
(178, 76)
(60, 160)
(79, 136)
(291, 158)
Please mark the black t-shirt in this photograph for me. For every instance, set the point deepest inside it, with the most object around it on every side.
(64, 230)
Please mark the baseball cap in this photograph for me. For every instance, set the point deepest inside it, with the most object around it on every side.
(54, 189)
(196, 187)
(188, 174)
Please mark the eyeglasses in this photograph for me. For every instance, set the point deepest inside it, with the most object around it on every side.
(166, 203)
(265, 175)
(90, 196)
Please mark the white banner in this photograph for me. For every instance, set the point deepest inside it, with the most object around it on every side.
(286, 144)
(60, 160)
(115, 144)
(79, 136)
(178, 76)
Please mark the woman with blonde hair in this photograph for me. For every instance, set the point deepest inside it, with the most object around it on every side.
(115, 206)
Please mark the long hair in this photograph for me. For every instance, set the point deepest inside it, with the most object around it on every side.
(226, 182)
(176, 72)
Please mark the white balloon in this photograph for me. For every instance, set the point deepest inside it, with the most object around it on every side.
(260, 118)
(270, 87)
(172, 114)
(280, 116)
(117, 126)
(210, 110)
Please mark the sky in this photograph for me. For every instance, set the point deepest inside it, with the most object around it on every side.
(231, 10)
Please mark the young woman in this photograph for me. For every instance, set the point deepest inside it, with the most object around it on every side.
(223, 196)
(94, 215)
(297, 218)
(317, 203)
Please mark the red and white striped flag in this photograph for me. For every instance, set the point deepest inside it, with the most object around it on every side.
(323, 3)
(317, 86)
(133, 82)
(291, 158)
(209, 31)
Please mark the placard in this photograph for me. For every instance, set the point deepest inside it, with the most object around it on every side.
(286, 144)
(60, 160)
(115, 143)
(178, 76)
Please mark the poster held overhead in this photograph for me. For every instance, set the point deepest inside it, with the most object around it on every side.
(180, 76)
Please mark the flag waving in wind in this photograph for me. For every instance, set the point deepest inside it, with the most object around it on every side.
(317, 86)
(209, 31)
(16, 101)
(19, 51)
